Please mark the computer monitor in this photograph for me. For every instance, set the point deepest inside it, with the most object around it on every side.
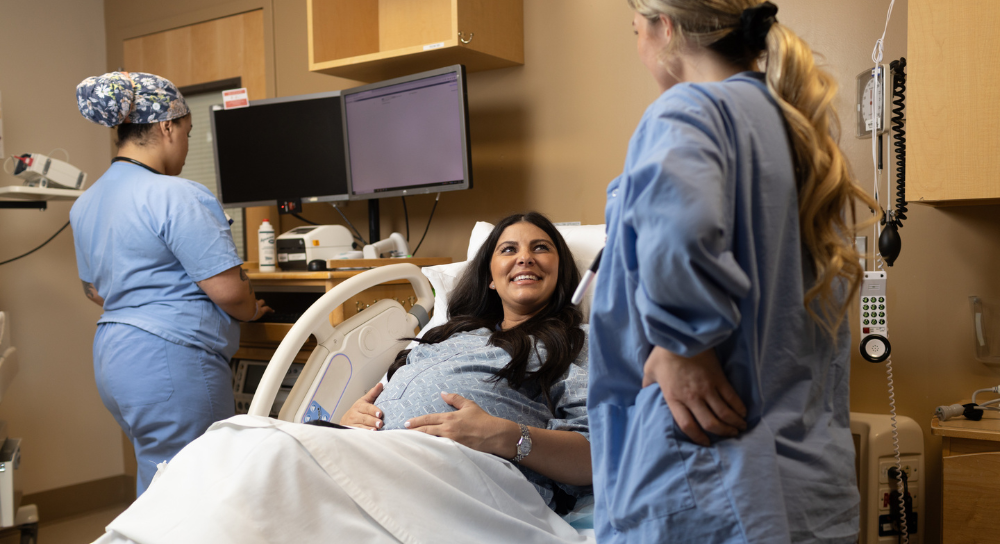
(281, 149)
(408, 136)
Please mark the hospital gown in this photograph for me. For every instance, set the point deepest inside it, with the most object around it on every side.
(703, 252)
(464, 364)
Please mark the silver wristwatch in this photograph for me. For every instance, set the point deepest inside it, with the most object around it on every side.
(523, 445)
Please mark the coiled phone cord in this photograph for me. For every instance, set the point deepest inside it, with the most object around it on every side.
(895, 431)
(899, 130)
(879, 264)
(895, 449)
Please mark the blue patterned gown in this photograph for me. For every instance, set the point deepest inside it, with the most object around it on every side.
(464, 364)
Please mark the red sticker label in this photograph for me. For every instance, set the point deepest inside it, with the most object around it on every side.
(236, 98)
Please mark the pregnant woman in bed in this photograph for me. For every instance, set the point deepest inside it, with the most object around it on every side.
(505, 378)
(507, 374)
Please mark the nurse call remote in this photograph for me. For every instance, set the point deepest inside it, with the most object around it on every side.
(874, 318)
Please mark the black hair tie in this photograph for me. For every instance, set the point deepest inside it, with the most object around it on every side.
(755, 23)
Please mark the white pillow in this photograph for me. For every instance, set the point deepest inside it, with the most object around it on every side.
(583, 240)
(443, 278)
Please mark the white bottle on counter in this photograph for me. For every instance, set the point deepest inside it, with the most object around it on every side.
(265, 247)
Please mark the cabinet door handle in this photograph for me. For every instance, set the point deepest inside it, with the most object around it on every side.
(462, 39)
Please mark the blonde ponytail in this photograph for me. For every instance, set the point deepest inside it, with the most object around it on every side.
(805, 93)
(827, 191)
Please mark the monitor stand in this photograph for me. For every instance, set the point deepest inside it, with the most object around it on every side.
(374, 234)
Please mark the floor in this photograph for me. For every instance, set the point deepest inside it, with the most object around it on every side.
(81, 529)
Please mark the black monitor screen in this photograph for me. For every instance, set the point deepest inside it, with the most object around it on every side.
(281, 149)
(408, 136)
(254, 374)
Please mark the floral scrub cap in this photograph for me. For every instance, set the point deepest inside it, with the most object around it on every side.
(129, 97)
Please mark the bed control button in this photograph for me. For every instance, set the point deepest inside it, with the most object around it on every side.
(368, 339)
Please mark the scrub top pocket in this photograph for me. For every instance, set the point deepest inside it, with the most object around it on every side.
(647, 478)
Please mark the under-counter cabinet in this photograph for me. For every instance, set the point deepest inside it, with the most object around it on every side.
(374, 40)
(970, 452)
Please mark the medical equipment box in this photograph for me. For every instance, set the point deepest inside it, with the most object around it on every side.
(247, 378)
(302, 245)
(10, 458)
(873, 436)
(40, 171)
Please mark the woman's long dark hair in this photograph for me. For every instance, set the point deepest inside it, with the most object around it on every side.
(473, 305)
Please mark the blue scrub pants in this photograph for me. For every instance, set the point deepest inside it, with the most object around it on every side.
(162, 394)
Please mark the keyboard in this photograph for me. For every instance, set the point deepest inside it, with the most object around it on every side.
(280, 317)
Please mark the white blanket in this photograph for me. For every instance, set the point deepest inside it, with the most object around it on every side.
(255, 480)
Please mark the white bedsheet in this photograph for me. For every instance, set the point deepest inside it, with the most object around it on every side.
(255, 480)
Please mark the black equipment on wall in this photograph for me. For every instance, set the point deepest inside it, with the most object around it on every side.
(889, 242)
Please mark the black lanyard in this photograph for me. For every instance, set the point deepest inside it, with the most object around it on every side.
(137, 163)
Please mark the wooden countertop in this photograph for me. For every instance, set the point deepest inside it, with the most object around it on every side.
(987, 428)
(339, 269)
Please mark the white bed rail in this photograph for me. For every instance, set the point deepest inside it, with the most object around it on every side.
(315, 321)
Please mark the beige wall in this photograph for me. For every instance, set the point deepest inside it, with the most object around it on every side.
(46, 48)
(549, 135)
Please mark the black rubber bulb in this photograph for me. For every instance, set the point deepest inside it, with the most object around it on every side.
(889, 243)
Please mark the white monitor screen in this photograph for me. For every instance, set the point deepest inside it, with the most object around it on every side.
(406, 136)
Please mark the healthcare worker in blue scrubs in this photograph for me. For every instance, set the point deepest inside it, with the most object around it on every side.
(156, 252)
(718, 395)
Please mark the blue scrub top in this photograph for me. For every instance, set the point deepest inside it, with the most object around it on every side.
(703, 252)
(143, 240)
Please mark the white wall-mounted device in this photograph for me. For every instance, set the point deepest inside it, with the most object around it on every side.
(37, 170)
(872, 101)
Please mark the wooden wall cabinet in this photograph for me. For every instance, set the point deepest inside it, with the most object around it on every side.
(953, 102)
(373, 40)
(220, 49)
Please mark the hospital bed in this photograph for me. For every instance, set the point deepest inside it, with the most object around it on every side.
(347, 361)
(352, 357)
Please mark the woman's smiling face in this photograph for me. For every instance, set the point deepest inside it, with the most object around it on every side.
(525, 270)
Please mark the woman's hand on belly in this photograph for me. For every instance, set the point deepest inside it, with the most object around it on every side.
(563, 456)
(470, 426)
(363, 413)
